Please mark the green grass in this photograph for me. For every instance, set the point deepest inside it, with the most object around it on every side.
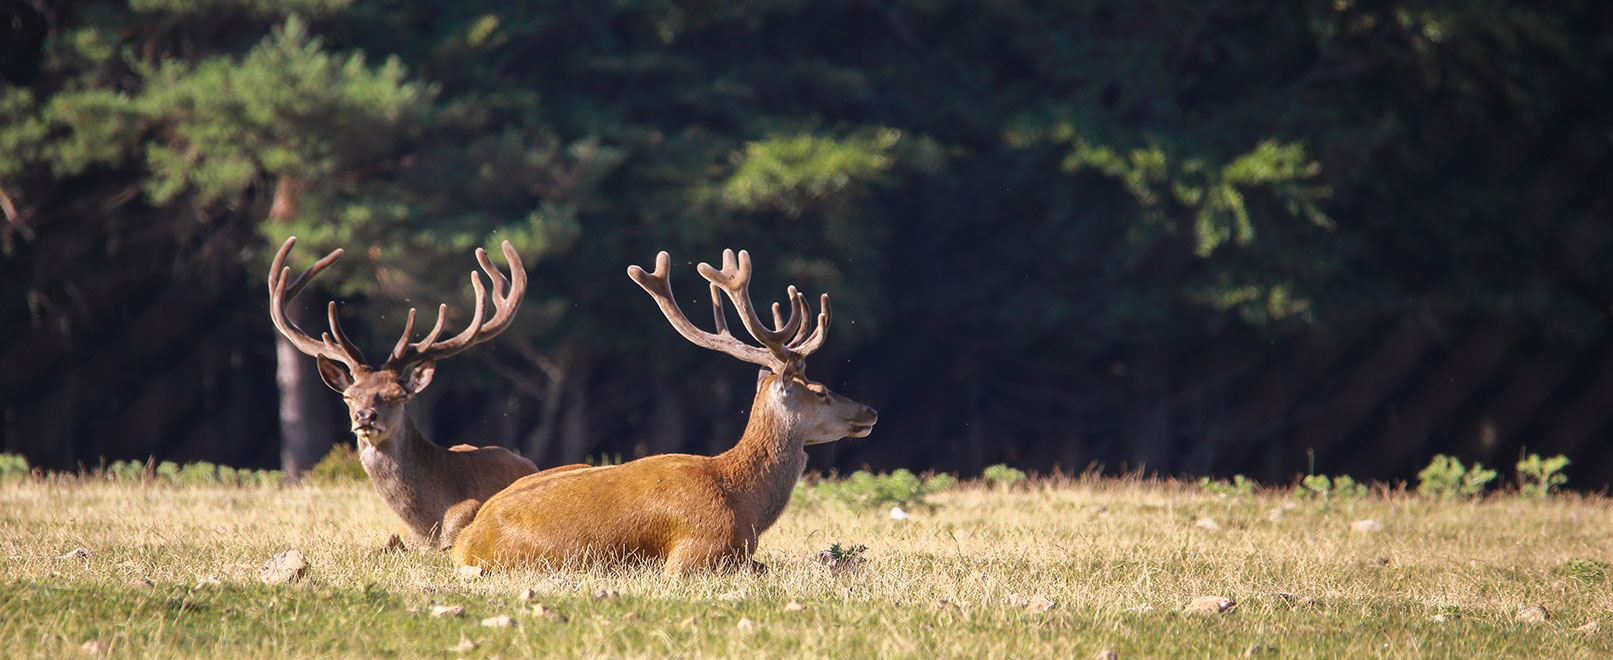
(1119, 557)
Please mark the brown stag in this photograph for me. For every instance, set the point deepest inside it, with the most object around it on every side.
(435, 491)
(692, 513)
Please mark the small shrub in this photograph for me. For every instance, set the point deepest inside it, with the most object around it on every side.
(1445, 477)
(340, 465)
(1002, 476)
(126, 471)
(864, 489)
(1238, 487)
(1589, 571)
(13, 467)
(1539, 477)
(1339, 487)
(841, 554)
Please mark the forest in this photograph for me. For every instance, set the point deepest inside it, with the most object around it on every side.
(1174, 237)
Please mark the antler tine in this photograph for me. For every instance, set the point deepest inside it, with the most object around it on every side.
(342, 341)
(280, 294)
(717, 312)
(805, 344)
(507, 295)
(734, 278)
(659, 285)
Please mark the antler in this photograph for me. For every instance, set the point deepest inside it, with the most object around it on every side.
(784, 346)
(507, 294)
(334, 344)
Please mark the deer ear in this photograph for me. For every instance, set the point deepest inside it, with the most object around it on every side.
(419, 376)
(761, 377)
(334, 375)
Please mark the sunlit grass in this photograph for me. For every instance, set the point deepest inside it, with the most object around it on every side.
(968, 578)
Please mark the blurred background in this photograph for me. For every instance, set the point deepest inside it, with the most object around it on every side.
(1183, 237)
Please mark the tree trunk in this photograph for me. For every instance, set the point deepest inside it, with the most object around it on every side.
(303, 436)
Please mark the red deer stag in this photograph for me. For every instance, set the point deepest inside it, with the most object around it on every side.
(434, 491)
(693, 513)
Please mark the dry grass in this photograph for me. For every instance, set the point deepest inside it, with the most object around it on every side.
(1119, 557)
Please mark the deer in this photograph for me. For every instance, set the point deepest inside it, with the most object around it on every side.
(688, 513)
(434, 491)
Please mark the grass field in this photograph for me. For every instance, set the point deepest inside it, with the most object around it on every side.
(1064, 568)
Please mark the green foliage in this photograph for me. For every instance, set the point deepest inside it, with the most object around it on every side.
(874, 491)
(200, 473)
(1240, 486)
(846, 555)
(339, 465)
(13, 467)
(1539, 477)
(794, 173)
(1002, 476)
(1446, 477)
(1589, 571)
(1340, 488)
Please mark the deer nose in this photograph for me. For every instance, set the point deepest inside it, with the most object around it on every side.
(364, 416)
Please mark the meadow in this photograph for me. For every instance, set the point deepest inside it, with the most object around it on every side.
(1071, 567)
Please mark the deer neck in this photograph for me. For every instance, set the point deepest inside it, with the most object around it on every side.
(761, 470)
(405, 453)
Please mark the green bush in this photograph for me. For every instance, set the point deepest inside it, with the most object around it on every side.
(867, 490)
(13, 467)
(1446, 477)
(340, 465)
(1339, 487)
(1238, 487)
(1539, 477)
(1002, 476)
(1589, 571)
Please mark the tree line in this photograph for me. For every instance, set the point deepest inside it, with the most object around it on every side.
(1181, 236)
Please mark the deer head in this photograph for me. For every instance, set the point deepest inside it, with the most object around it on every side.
(376, 397)
(811, 412)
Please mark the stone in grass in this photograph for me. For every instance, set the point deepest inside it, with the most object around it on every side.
(1445, 617)
(1037, 603)
(95, 647)
(1532, 614)
(898, 514)
(76, 553)
(1206, 523)
(206, 582)
(500, 621)
(545, 612)
(1589, 627)
(793, 606)
(1275, 515)
(440, 611)
(736, 594)
(470, 572)
(1367, 525)
(1211, 605)
(745, 624)
(284, 568)
(464, 645)
(1257, 649)
(1106, 654)
(605, 593)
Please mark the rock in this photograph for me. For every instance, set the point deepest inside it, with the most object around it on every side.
(898, 514)
(1589, 627)
(1206, 523)
(1293, 600)
(1444, 617)
(793, 606)
(605, 593)
(284, 568)
(140, 582)
(691, 622)
(1211, 605)
(1367, 525)
(1038, 603)
(470, 572)
(1275, 514)
(440, 611)
(206, 581)
(1106, 654)
(76, 553)
(1141, 609)
(500, 621)
(561, 583)
(745, 624)
(736, 594)
(464, 645)
(545, 612)
(95, 647)
(1532, 614)
(1099, 511)
(528, 594)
